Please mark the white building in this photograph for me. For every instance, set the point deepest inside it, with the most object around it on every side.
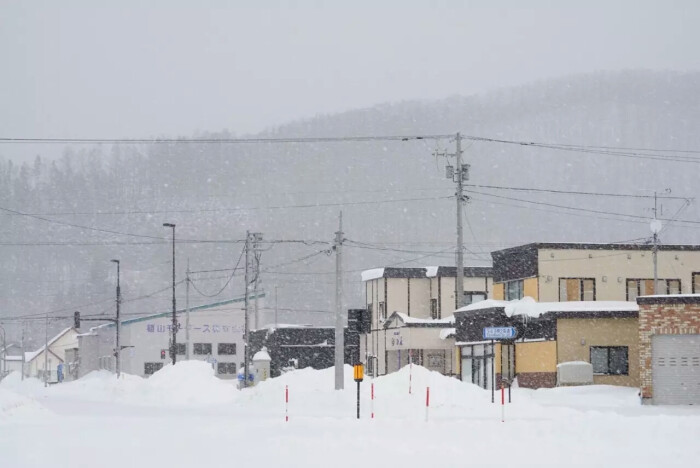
(216, 336)
(34, 361)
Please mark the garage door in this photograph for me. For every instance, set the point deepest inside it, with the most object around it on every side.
(676, 369)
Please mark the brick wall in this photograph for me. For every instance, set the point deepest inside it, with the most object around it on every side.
(663, 315)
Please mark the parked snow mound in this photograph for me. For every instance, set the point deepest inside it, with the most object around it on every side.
(187, 383)
(27, 386)
(14, 405)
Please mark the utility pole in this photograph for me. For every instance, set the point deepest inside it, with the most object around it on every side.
(187, 311)
(22, 346)
(173, 341)
(655, 229)
(257, 237)
(247, 305)
(276, 308)
(46, 351)
(461, 172)
(119, 323)
(339, 336)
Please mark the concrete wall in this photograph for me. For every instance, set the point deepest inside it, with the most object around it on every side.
(576, 336)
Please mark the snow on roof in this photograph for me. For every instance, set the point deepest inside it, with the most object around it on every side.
(415, 321)
(374, 273)
(28, 356)
(262, 355)
(13, 358)
(431, 271)
(446, 333)
(527, 306)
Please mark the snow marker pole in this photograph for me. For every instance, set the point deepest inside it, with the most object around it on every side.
(503, 403)
(427, 402)
(410, 377)
(372, 401)
(286, 403)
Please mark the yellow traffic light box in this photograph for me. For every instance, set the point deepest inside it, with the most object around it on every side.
(358, 372)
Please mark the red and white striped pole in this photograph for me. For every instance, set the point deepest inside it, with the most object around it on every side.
(503, 403)
(286, 403)
(372, 401)
(427, 402)
(410, 376)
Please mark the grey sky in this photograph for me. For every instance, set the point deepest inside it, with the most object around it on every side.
(132, 69)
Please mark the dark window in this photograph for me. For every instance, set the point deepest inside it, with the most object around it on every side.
(470, 297)
(696, 283)
(576, 289)
(610, 360)
(645, 287)
(150, 368)
(514, 290)
(227, 348)
(433, 309)
(226, 368)
(181, 349)
(382, 311)
(202, 348)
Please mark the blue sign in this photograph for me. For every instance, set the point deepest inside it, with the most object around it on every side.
(499, 333)
(251, 377)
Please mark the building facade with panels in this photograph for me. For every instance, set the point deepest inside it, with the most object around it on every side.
(216, 336)
(416, 303)
(550, 272)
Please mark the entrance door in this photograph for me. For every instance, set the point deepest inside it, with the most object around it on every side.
(676, 369)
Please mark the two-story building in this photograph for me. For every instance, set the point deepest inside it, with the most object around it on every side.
(561, 272)
(411, 315)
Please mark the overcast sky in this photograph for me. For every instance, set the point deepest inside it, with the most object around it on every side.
(138, 69)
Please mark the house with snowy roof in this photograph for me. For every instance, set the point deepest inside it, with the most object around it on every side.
(550, 272)
(414, 306)
(46, 360)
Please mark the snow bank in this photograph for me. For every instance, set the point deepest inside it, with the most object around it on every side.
(374, 273)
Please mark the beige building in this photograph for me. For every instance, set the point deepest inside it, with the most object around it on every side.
(408, 296)
(58, 345)
(550, 272)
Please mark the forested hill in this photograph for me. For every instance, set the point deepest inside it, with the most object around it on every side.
(393, 194)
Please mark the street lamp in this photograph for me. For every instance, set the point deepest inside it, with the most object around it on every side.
(119, 323)
(173, 343)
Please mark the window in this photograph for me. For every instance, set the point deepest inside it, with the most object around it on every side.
(150, 368)
(382, 311)
(609, 360)
(470, 297)
(227, 348)
(202, 348)
(696, 283)
(181, 349)
(576, 289)
(226, 368)
(514, 290)
(645, 287)
(433, 309)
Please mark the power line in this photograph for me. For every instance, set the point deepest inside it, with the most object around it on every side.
(233, 272)
(573, 192)
(131, 141)
(648, 153)
(574, 208)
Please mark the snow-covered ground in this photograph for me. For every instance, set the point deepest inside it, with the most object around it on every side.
(183, 416)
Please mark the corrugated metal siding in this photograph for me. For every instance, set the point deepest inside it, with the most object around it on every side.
(676, 369)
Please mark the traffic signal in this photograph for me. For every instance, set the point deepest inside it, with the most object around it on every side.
(162, 354)
(76, 319)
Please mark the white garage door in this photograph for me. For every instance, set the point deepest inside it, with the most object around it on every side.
(676, 369)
